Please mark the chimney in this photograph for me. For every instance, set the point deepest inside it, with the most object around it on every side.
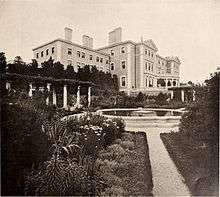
(115, 36)
(68, 34)
(87, 41)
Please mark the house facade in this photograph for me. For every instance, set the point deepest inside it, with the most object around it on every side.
(138, 65)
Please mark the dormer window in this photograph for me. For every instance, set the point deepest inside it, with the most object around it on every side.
(42, 53)
(83, 55)
(101, 60)
(47, 52)
(53, 49)
(97, 59)
(37, 55)
(90, 57)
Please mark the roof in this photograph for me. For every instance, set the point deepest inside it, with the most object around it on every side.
(116, 44)
(173, 58)
(69, 42)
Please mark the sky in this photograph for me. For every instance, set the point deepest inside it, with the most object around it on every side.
(189, 29)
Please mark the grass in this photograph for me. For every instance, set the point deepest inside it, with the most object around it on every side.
(195, 162)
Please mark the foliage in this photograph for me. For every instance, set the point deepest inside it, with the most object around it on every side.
(76, 144)
(201, 120)
(161, 99)
(24, 145)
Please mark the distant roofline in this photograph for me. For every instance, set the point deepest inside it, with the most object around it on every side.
(116, 44)
(69, 42)
(161, 57)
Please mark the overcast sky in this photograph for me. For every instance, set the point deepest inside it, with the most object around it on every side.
(189, 29)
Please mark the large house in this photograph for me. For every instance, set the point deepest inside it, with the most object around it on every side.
(138, 65)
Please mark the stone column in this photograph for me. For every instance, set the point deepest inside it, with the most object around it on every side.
(193, 95)
(65, 96)
(48, 89)
(182, 95)
(8, 86)
(54, 97)
(78, 97)
(89, 96)
(171, 94)
(30, 90)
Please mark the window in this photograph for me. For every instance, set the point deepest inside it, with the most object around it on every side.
(37, 55)
(97, 59)
(149, 66)
(101, 60)
(152, 55)
(112, 53)
(69, 62)
(106, 61)
(90, 57)
(83, 55)
(146, 65)
(47, 52)
(42, 53)
(123, 64)
(112, 66)
(146, 51)
(146, 82)
(149, 53)
(159, 61)
(123, 81)
(78, 53)
(122, 49)
(69, 52)
(53, 49)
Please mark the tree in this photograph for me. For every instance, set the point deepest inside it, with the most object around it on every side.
(161, 99)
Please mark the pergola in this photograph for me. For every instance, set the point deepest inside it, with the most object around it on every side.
(48, 81)
(182, 89)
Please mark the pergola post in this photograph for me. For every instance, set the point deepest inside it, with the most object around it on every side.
(65, 96)
(54, 97)
(89, 96)
(30, 90)
(182, 95)
(78, 97)
(194, 95)
(8, 86)
(48, 89)
(171, 94)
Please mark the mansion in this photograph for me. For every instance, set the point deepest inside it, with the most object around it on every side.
(138, 66)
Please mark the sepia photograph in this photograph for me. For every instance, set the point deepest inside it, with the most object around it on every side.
(109, 97)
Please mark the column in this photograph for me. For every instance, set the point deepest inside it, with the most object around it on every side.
(54, 97)
(166, 81)
(8, 86)
(78, 97)
(182, 95)
(30, 90)
(194, 95)
(171, 82)
(89, 96)
(48, 91)
(171, 94)
(65, 96)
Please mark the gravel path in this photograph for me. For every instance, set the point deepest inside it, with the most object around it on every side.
(166, 179)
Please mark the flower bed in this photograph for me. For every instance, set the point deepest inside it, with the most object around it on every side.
(125, 167)
(195, 162)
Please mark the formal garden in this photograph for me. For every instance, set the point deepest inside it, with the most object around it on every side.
(44, 154)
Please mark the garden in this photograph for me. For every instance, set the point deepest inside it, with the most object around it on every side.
(42, 154)
(195, 148)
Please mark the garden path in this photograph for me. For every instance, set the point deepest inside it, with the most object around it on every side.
(166, 179)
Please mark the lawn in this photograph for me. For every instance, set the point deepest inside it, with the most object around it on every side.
(195, 162)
